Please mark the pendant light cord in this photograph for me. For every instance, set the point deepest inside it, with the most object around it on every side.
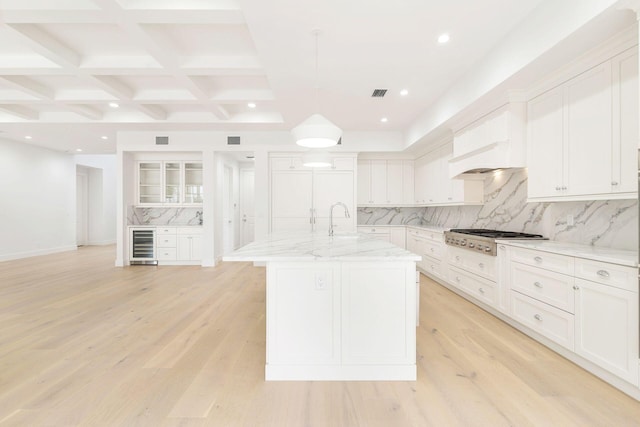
(316, 33)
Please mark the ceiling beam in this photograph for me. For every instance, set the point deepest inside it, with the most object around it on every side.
(85, 110)
(20, 111)
(46, 45)
(154, 111)
(28, 86)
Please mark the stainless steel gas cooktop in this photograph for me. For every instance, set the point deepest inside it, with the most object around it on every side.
(483, 240)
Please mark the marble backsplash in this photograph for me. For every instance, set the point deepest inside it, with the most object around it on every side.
(607, 223)
(164, 216)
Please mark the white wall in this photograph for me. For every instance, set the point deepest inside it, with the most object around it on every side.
(102, 197)
(38, 194)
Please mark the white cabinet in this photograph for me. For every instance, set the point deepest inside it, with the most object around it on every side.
(583, 135)
(179, 245)
(169, 183)
(589, 307)
(385, 182)
(429, 245)
(301, 197)
(434, 187)
(189, 244)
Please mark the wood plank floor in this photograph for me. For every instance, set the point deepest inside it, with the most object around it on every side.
(83, 343)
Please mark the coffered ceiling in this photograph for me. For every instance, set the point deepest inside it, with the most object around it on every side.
(197, 64)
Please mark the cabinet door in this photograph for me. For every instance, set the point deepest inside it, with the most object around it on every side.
(330, 187)
(433, 189)
(379, 181)
(408, 176)
(451, 190)
(588, 139)
(607, 328)
(291, 199)
(196, 248)
(149, 183)
(172, 182)
(364, 182)
(193, 183)
(545, 156)
(395, 191)
(184, 248)
(625, 125)
(420, 181)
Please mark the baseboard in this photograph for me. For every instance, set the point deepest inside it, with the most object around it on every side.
(29, 254)
(101, 243)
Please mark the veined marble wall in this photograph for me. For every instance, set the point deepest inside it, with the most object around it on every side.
(608, 223)
(164, 216)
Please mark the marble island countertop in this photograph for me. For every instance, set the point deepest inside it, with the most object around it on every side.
(597, 253)
(320, 247)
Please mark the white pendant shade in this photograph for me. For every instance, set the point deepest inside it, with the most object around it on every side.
(317, 159)
(316, 132)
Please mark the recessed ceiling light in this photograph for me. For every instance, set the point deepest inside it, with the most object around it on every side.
(251, 105)
(28, 137)
(114, 105)
(384, 120)
(105, 137)
(443, 38)
(404, 92)
(79, 150)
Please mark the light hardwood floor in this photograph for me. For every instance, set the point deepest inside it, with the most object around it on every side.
(85, 343)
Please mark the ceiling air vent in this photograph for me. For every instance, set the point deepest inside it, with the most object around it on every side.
(233, 140)
(379, 93)
(162, 140)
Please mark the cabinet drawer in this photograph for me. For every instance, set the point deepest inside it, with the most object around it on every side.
(618, 276)
(166, 241)
(165, 230)
(553, 323)
(559, 263)
(432, 266)
(547, 286)
(483, 265)
(433, 249)
(426, 234)
(373, 230)
(343, 163)
(189, 230)
(166, 254)
(481, 288)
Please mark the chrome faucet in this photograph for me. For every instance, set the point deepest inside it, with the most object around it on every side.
(346, 215)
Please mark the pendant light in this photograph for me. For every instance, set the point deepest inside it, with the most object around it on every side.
(316, 131)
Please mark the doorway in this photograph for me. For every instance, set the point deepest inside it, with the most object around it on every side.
(247, 216)
(228, 211)
(82, 206)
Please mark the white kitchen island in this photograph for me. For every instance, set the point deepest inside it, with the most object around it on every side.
(338, 308)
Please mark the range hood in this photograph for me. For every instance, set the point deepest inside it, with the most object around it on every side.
(495, 141)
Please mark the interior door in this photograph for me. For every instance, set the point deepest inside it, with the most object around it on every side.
(247, 216)
(82, 209)
(227, 211)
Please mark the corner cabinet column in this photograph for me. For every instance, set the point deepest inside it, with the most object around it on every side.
(208, 178)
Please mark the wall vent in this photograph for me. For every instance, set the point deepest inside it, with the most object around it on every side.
(162, 140)
(379, 93)
(233, 140)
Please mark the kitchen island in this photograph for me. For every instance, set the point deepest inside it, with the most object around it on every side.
(340, 307)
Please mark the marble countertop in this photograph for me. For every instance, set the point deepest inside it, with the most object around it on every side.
(614, 256)
(422, 227)
(321, 247)
(165, 225)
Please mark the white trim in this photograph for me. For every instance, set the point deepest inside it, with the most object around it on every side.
(29, 254)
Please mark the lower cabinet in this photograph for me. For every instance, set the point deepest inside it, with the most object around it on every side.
(189, 243)
(178, 245)
(588, 307)
(394, 235)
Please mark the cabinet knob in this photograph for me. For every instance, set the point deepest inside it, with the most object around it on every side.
(575, 288)
(537, 285)
(558, 188)
(564, 188)
(538, 317)
(481, 265)
(603, 273)
(481, 290)
(614, 182)
(457, 258)
(457, 279)
(538, 259)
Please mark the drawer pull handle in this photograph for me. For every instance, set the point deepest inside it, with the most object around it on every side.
(537, 285)
(537, 259)
(575, 288)
(481, 265)
(603, 273)
(538, 317)
(457, 258)
(481, 290)
(457, 279)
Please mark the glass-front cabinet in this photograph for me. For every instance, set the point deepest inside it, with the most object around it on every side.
(193, 183)
(169, 183)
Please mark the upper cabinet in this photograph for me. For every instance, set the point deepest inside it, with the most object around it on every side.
(434, 187)
(169, 183)
(385, 182)
(583, 135)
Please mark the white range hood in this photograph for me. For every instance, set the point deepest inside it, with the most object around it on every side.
(495, 141)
